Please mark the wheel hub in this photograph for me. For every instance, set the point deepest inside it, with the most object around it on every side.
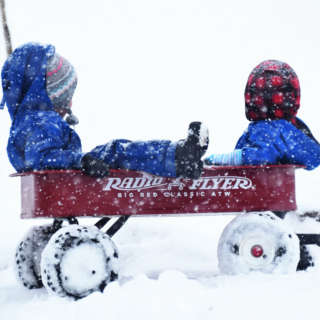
(83, 268)
(257, 251)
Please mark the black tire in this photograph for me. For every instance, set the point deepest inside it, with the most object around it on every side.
(306, 259)
(28, 256)
(258, 242)
(77, 261)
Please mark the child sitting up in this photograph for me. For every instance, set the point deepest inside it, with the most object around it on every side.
(38, 85)
(275, 135)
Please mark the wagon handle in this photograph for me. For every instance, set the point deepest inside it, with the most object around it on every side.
(6, 31)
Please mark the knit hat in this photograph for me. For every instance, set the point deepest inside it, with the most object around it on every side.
(61, 81)
(272, 92)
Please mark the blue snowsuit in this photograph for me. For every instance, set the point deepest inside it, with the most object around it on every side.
(40, 139)
(278, 142)
(275, 135)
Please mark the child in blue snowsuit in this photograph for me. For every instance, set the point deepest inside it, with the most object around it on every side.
(275, 135)
(38, 85)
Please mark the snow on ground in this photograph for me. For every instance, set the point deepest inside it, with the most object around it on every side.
(146, 69)
(169, 270)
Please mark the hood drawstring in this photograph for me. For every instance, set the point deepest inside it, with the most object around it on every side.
(2, 104)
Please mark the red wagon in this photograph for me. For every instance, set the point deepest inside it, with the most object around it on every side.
(256, 241)
(62, 194)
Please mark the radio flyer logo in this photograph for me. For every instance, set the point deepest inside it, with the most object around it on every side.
(149, 186)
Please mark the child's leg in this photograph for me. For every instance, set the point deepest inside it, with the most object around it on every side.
(159, 157)
(156, 157)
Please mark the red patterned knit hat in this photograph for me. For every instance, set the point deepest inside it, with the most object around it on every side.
(61, 81)
(272, 92)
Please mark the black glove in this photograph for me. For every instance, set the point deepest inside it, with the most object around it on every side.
(94, 167)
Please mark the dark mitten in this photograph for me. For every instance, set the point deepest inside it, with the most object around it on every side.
(190, 151)
(94, 167)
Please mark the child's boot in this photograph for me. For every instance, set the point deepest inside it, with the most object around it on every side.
(190, 151)
(94, 167)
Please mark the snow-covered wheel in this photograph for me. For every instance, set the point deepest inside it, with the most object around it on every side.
(28, 256)
(77, 261)
(258, 242)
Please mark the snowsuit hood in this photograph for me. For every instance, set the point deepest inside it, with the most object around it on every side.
(24, 79)
(272, 92)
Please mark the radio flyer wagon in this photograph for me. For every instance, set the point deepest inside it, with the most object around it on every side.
(74, 260)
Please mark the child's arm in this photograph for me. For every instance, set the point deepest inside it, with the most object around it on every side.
(279, 142)
(259, 155)
(272, 144)
(48, 147)
(232, 159)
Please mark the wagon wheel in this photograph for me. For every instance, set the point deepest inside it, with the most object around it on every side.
(77, 261)
(28, 256)
(258, 242)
